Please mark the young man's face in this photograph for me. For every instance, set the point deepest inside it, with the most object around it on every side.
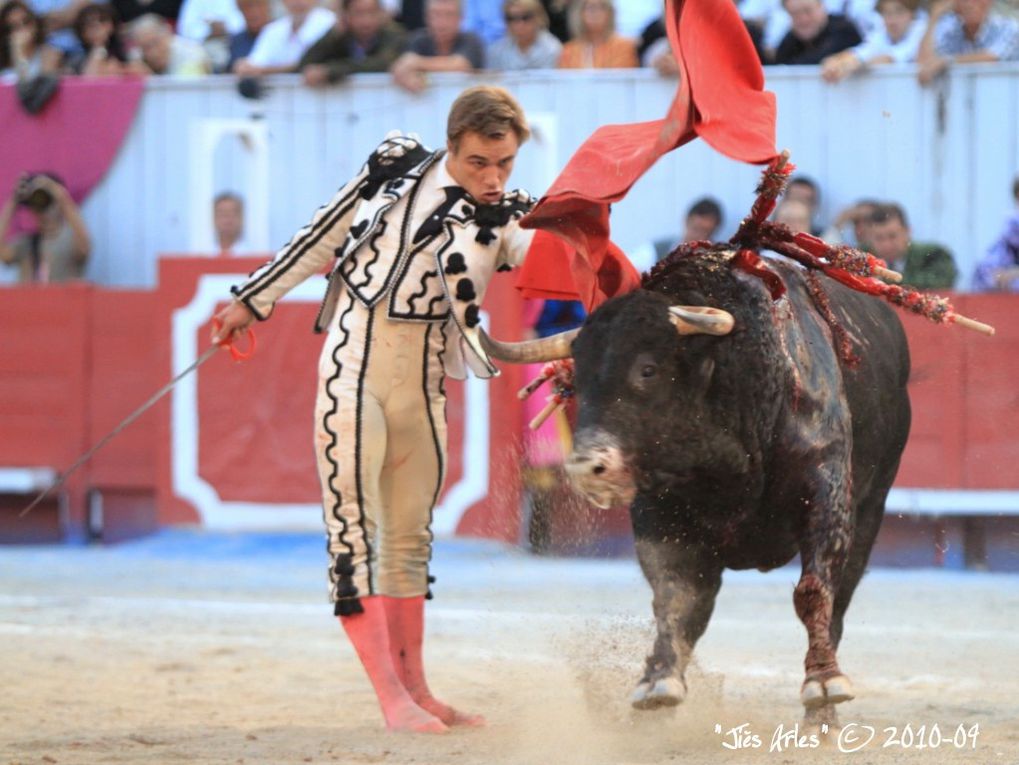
(889, 240)
(973, 12)
(257, 14)
(483, 165)
(861, 223)
(364, 19)
(442, 17)
(897, 18)
(801, 192)
(228, 219)
(522, 24)
(795, 215)
(808, 17)
(700, 228)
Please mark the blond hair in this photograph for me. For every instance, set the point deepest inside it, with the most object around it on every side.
(576, 24)
(487, 110)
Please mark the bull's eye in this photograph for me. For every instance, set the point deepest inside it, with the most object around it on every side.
(643, 369)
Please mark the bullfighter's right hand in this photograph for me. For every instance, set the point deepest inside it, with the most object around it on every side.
(231, 322)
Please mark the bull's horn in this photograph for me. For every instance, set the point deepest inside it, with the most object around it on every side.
(530, 351)
(700, 320)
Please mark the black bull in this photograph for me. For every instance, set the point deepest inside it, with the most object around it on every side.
(743, 450)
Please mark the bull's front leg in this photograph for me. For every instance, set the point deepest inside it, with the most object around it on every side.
(684, 581)
(824, 547)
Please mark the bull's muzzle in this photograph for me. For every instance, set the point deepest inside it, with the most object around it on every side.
(598, 470)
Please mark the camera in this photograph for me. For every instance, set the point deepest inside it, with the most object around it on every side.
(32, 195)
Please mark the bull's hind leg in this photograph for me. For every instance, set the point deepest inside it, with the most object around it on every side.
(824, 547)
(835, 690)
(684, 582)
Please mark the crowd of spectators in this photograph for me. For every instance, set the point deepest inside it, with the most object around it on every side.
(850, 36)
(327, 40)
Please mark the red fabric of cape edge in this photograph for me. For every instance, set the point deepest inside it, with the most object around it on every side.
(720, 98)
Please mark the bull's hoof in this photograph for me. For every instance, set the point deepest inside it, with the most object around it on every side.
(838, 689)
(812, 694)
(666, 692)
(834, 690)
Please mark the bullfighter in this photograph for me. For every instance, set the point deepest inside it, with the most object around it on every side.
(414, 239)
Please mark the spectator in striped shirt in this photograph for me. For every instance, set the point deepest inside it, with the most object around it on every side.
(965, 32)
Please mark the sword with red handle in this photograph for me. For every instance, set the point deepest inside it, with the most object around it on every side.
(235, 353)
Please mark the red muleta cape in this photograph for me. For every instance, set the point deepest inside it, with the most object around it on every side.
(720, 98)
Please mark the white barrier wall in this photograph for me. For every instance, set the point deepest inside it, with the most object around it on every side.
(947, 153)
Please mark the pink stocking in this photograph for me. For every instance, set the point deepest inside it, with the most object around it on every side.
(406, 617)
(369, 634)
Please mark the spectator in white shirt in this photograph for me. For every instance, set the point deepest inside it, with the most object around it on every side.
(896, 41)
(211, 23)
(281, 43)
(201, 19)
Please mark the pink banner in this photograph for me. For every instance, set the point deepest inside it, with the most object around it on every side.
(76, 135)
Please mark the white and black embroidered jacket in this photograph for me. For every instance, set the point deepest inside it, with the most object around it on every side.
(403, 231)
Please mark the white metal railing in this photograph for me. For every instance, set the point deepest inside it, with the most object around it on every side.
(947, 153)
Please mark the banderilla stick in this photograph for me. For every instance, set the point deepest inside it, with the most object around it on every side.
(888, 274)
(554, 404)
(976, 326)
(546, 374)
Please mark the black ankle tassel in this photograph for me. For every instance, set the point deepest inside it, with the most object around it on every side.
(348, 607)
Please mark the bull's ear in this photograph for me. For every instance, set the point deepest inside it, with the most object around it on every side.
(700, 320)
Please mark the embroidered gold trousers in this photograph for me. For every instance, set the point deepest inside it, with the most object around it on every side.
(380, 438)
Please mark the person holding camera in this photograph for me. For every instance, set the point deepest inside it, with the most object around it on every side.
(58, 250)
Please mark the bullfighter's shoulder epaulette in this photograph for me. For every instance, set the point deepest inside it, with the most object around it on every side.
(395, 157)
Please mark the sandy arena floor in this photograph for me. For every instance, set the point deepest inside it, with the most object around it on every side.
(201, 648)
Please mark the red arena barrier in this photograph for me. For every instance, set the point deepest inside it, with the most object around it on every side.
(230, 446)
